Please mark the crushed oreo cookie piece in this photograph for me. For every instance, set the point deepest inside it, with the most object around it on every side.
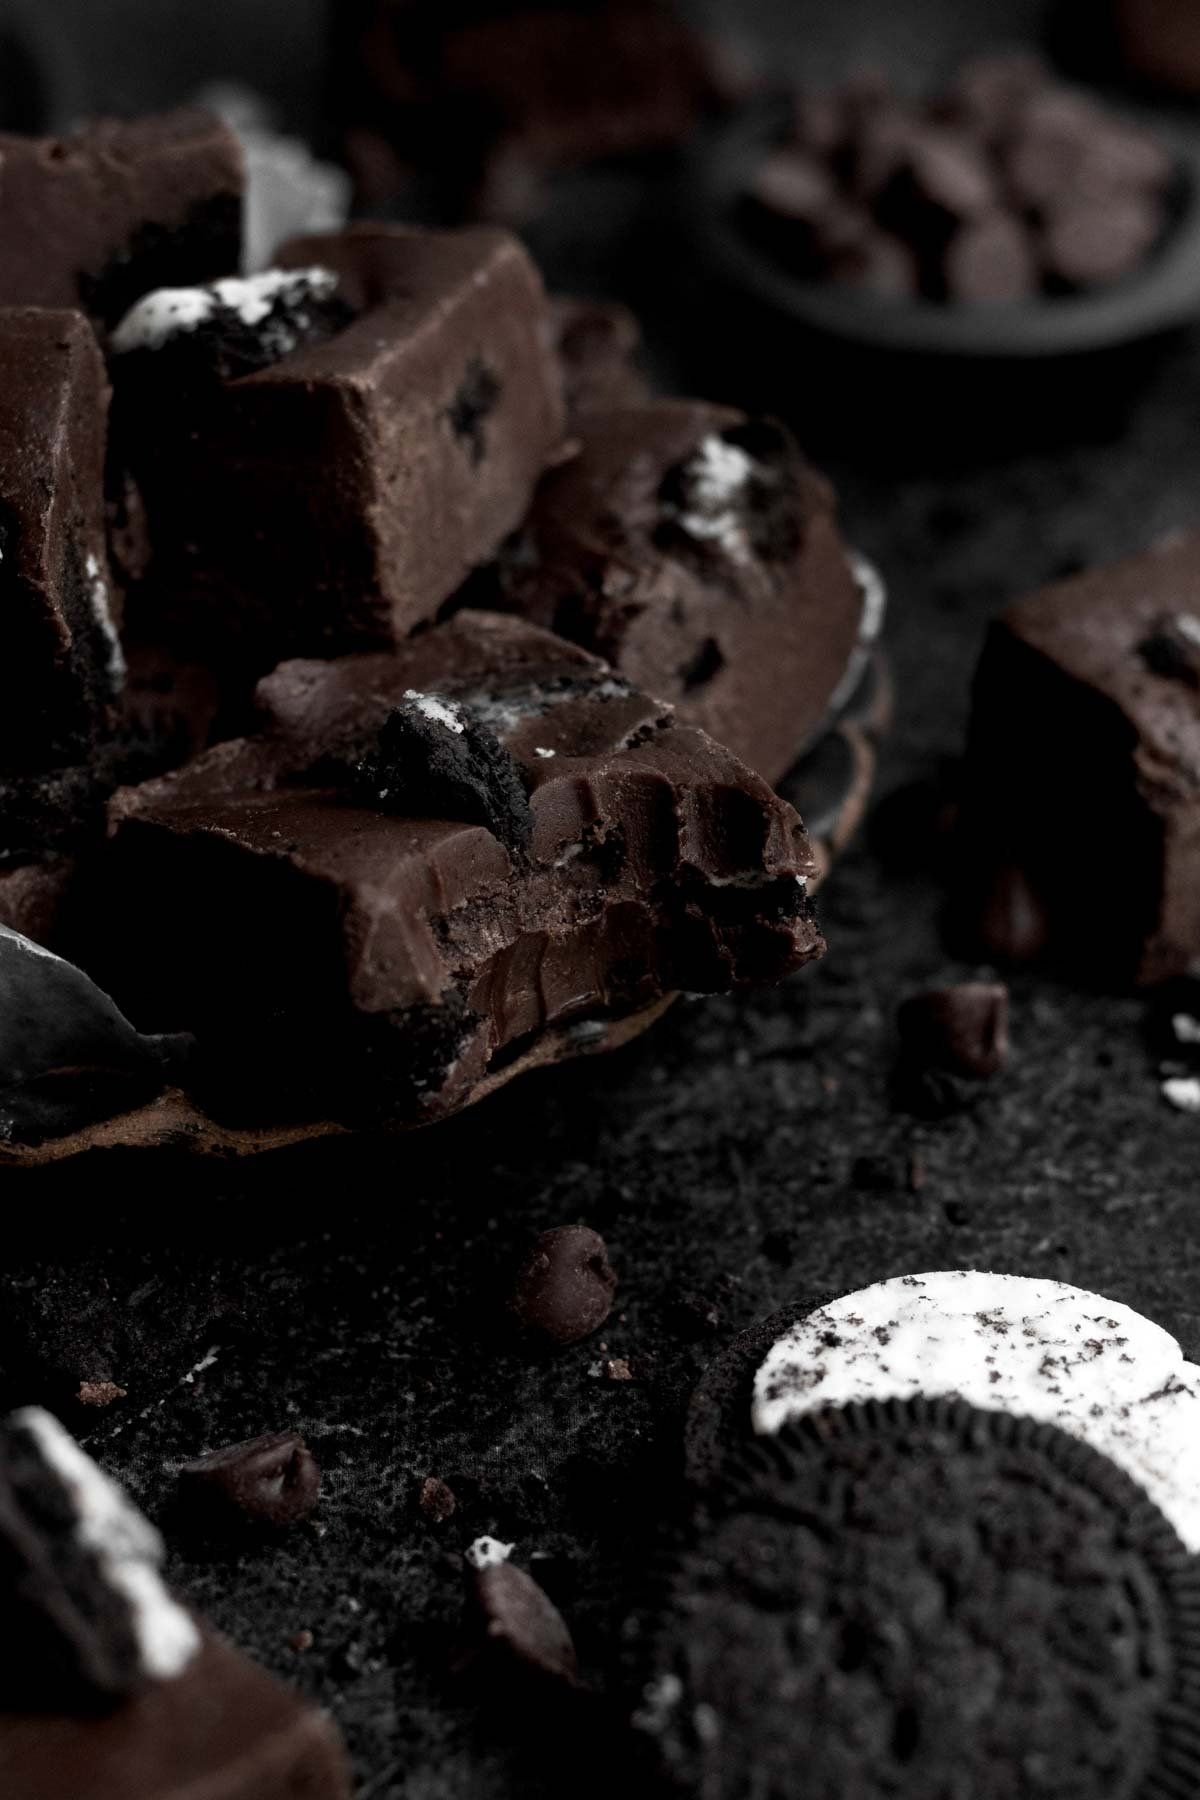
(435, 758)
(67, 1055)
(736, 494)
(83, 1597)
(196, 337)
(892, 1595)
(268, 1480)
(437, 1500)
(564, 1290)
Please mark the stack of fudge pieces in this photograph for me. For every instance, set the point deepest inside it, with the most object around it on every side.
(393, 688)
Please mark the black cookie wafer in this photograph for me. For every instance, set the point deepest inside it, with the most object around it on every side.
(718, 1427)
(916, 1598)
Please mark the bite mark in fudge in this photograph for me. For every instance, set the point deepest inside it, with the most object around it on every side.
(1085, 753)
(380, 962)
(698, 552)
(100, 217)
(60, 657)
(331, 497)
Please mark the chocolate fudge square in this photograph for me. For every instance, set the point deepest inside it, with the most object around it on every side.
(1084, 763)
(61, 667)
(222, 1730)
(97, 218)
(697, 551)
(431, 861)
(331, 498)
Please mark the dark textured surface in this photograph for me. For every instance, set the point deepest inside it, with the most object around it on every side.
(744, 1152)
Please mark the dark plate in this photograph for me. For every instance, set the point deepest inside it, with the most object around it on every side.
(1162, 296)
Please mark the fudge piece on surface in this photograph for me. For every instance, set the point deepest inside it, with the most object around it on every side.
(695, 549)
(1084, 763)
(61, 667)
(97, 218)
(334, 494)
(429, 862)
(224, 1729)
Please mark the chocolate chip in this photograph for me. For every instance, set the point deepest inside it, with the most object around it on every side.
(436, 1500)
(435, 759)
(989, 261)
(521, 1624)
(962, 1030)
(565, 1287)
(1089, 243)
(1011, 922)
(269, 1480)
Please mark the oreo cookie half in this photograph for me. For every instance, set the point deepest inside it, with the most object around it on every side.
(89, 1618)
(922, 1599)
(1008, 1343)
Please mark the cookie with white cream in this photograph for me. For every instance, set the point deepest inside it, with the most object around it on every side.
(1037, 1348)
(82, 1575)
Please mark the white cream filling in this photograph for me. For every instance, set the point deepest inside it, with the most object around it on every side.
(717, 476)
(438, 711)
(127, 1547)
(1007, 1343)
(487, 1553)
(98, 594)
(169, 312)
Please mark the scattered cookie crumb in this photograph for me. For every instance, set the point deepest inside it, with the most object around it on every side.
(99, 1393)
(436, 1500)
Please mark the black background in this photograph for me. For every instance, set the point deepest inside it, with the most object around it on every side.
(745, 1152)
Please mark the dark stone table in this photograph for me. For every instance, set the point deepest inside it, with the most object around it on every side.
(743, 1153)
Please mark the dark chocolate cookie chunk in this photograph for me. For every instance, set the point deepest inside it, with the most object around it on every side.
(67, 1054)
(79, 1575)
(916, 1598)
(436, 759)
(189, 339)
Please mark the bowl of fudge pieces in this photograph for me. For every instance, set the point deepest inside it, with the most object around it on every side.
(1005, 214)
